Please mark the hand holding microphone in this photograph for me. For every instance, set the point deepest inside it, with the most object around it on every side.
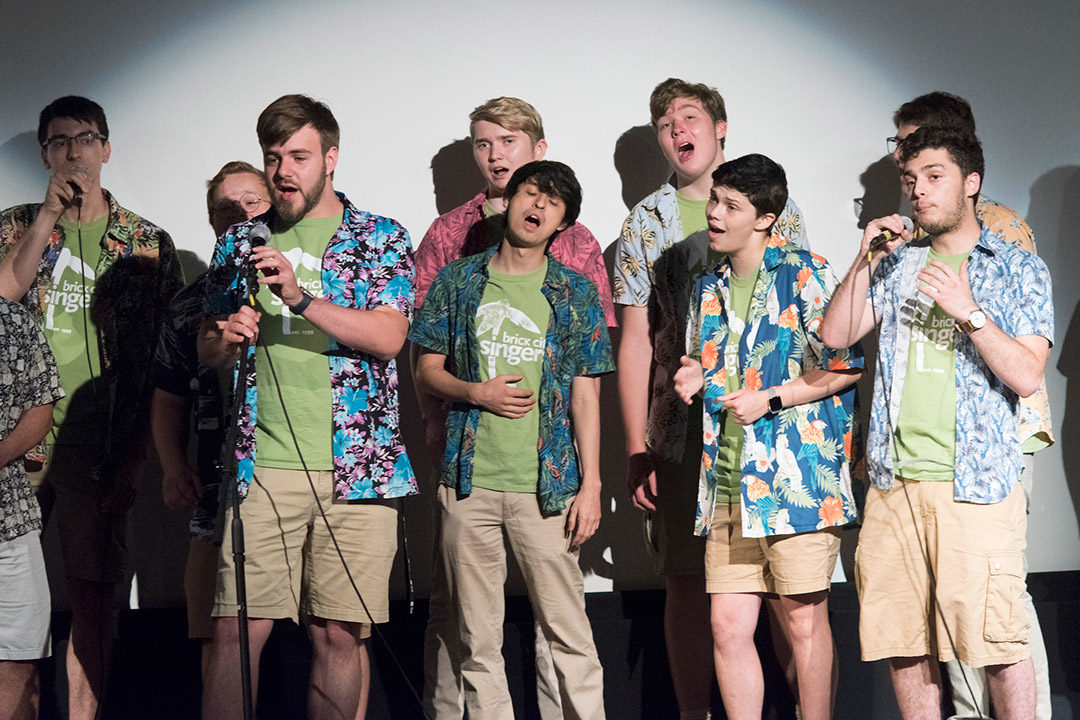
(84, 174)
(883, 231)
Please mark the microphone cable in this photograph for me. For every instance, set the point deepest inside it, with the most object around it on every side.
(887, 384)
(322, 513)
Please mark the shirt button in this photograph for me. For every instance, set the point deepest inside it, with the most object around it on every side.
(997, 566)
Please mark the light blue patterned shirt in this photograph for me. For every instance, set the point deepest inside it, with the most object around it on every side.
(1013, 289)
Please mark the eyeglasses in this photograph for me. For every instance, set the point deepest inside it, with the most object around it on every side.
(893, 143)
(249, 202)
(83, 139)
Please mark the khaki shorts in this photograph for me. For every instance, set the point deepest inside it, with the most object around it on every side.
(669, 530)
(94, 542)
(780, 564)
(291, 566)
(977, 555)
(26, 608)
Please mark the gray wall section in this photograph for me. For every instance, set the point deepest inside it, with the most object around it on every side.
(813, 86)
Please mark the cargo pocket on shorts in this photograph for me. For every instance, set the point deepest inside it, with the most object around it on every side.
(1006, 619)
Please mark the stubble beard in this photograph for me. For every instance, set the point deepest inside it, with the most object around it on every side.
(311, 199)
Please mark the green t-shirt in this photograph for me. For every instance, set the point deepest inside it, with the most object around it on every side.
(728, 465)
(926, 424)
(691, 214)
(511, 329)
(298, 350)
(73, 337)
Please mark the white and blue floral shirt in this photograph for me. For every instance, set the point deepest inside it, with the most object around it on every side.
(1013, 289)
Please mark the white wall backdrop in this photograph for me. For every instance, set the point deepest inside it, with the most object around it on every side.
(812, 85)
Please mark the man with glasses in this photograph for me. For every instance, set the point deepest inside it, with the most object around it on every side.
(97, 277)
(971, 696)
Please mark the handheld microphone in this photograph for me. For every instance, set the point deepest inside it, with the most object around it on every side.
(887, 235)
(78, 170)
(257, 236)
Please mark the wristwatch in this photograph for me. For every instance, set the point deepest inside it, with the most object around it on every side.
(975, 320)
(775, 403)
(300, 307)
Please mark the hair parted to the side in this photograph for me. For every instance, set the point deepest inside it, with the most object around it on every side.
(234, 167)
(512, 113)
(963, 147)
(759, 178)
(937, 109)
(667, 92)
(283, 117)
(551, 178)
(75, 107)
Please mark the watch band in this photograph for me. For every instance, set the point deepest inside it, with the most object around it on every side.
(300, 307)
(775, 403)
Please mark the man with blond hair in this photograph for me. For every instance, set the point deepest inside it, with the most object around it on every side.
(506, 133)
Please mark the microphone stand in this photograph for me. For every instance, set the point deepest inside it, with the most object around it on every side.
(229, 495)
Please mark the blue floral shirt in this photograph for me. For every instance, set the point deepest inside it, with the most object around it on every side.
(1012, 287)
(796, 464)
(576, 343)
(366, 265)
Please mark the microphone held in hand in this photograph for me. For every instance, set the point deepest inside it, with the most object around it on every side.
(257, 236)
(84, 174)
(887, 235)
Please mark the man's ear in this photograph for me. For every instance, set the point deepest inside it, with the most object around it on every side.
(972, 184)
(764, 221)
(540, 149)
(331, 160)
(721, 130)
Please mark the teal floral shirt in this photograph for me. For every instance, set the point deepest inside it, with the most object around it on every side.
(576, 343)
(796, 464)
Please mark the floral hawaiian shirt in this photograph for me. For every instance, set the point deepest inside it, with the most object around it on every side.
(1013, 289)
(656, 267)
(462, 232)
(176, 369)
(367, 264)
(796, 465)
(28, 378)
(576, 343)
(136, 278)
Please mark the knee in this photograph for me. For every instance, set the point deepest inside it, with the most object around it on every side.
(334, 637)
(727, 630)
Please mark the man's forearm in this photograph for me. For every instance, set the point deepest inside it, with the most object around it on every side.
(1019, 364)
(635, 361)
(585, 410)
(815, 385)
(844, 321)
(380, 332)
(20, 266)
(169, 424)
(433, 378)
(29, 429)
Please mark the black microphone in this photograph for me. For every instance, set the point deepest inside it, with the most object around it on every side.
(79, 170)
(887, 235)
(257, 236)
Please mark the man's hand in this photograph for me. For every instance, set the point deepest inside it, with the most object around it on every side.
(951, 291)
(180, 487)
(746, 406)
(584, 516)
(124, 479)
(278, 274)
(60, 195)
(641, 481)
(689, 379)
(892, 223)
(241, 325)
(499, 396)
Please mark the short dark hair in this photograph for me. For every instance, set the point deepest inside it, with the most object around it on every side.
(762, 180)
(963, 147)
(936, 109)
(285, 116)
(74, 107)
(235, 167)
(667, 92)
(552, 178)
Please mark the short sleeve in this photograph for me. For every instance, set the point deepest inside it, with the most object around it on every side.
(594, 345)
(431, 327)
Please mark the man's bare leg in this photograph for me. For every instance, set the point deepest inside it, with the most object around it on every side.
(90, 643)
(917, 684)
(222, 695)
(334, 693)
(738, 667)
(365, 679)
(20, 691)
(689, 646)
(1012, 690)
(816, 669)
(781, 641)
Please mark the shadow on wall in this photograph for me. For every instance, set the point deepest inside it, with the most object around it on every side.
(455, 175)
(881, 191)
(640, 163)
(21, 170)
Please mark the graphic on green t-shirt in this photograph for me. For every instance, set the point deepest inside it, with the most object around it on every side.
(298, 351)
(728, 465)
(926, 423)
(511, 331)
(81, 417)
(691, 214)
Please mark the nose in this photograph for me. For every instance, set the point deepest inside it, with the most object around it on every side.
(74, 150)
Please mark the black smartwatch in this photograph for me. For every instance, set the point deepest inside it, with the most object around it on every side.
(775, 403)
(300, 307)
